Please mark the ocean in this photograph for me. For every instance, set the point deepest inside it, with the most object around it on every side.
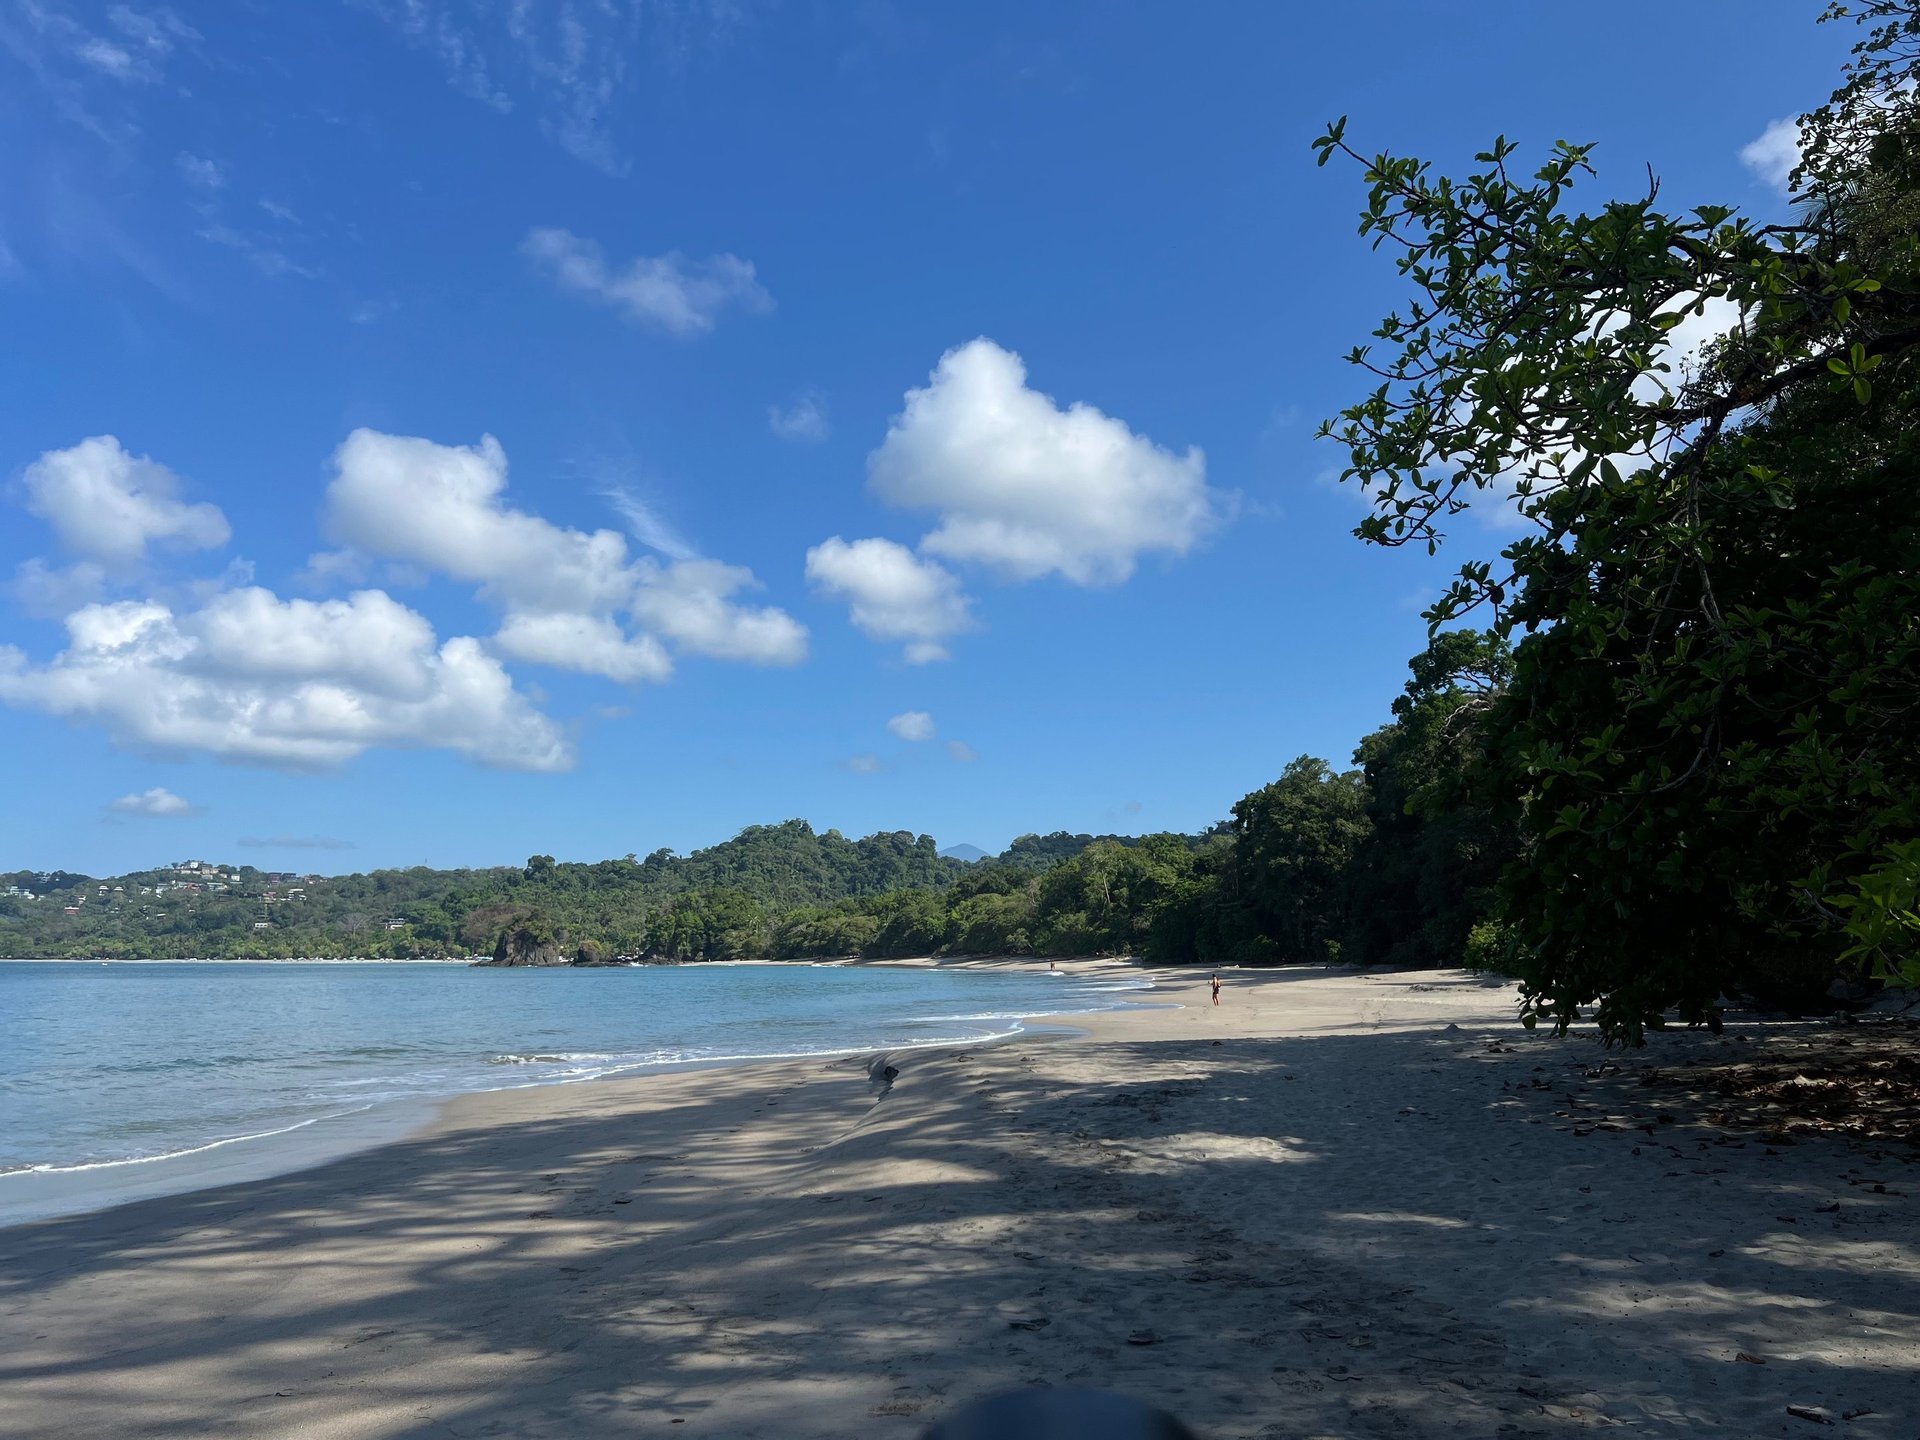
(120, 1080)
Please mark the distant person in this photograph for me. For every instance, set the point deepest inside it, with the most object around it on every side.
(1216, 989)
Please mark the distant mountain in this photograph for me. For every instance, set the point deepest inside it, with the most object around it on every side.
(968, 853)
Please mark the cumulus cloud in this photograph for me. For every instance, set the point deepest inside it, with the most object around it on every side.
(157, 803)
(1774, 153)
(666, 292)
(689, 603)
(914, 725)
(109, 505)
(250, 677)
(803, 422)
(589, 643)
(893, 593)
(443, 508)
(1032, 489)
(961, 751)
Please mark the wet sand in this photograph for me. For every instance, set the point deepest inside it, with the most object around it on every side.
(1337, 1205)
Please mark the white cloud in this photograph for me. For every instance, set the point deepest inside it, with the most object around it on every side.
(109, 505)
(1031, 489)
(803, 422)
(369, 641)
(592, 644)
(1703, 323)
(199, 172)
(443, 507)
(250, 677)
(914, 725)
(961, 751)
(865, 765)
(1775, 153)
(894, 594)
(688, 602)
(159, 803)
(668, 292)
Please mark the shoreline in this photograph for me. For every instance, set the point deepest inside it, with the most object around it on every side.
(40, 1193)
(1352, 1205)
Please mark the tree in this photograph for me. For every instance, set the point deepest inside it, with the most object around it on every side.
(1425, 876)
(1710, 739)
(1294, 842)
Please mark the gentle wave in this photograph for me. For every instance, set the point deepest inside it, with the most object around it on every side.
(175, 1154)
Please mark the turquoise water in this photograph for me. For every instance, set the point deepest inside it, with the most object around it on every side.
(109, 1067)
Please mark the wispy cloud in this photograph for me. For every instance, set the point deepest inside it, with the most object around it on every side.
(864, 765)
(664, 292)
(569, 66)
(267, 259)
(803, 422)
(645, 525)
(200, 172)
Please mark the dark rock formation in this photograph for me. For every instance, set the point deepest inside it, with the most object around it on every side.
(526, 945)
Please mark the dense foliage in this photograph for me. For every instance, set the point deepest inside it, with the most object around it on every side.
(1708, 747)
(672, 905)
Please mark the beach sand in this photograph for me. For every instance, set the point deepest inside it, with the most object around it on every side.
(1335, 1206)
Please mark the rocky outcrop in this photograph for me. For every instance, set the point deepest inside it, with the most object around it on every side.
(525, 945)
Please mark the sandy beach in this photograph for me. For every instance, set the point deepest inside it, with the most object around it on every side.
(1335, 1206)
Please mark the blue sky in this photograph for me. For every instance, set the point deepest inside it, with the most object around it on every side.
(901, 415)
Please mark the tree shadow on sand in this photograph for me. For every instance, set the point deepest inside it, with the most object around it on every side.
(1382, 1235)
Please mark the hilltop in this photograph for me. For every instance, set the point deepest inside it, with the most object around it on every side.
(718, 902)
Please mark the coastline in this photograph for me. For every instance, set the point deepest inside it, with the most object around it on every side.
(30, 1196)
(1337, 1205)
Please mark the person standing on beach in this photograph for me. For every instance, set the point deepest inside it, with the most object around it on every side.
(1216, 989)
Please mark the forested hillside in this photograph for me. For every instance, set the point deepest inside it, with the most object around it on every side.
(1320, 865)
